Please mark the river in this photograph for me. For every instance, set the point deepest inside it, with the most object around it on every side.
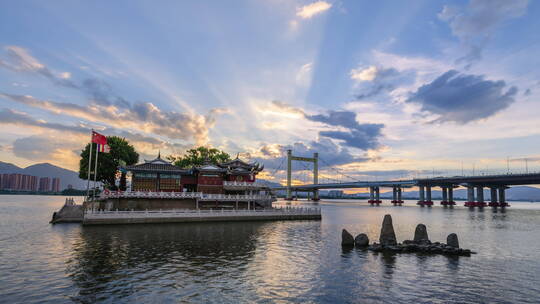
(288, 261)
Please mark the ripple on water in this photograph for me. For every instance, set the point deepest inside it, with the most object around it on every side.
(295, 261)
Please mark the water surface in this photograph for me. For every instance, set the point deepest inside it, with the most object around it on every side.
(288, 261)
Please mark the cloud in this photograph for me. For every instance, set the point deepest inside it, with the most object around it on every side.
(374, 80)
(303, 77)
(310, 10)
(366, 74)
(20, 60)
(475, 23)
(463, 98)
(362, 136)
(42, 148)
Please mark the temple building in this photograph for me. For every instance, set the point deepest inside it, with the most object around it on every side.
(159, 185)
(161, 175)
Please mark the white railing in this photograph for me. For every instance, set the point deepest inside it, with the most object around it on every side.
(191, 213)
(183, 195)
(242, 184)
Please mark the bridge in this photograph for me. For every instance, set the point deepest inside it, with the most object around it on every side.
(475, 185)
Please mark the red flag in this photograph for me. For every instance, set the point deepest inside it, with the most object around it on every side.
(98, 138)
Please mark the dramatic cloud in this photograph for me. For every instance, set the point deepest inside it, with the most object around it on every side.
(463, 98)
(356, 135)
(273, 155)
(20, 60)
(107, 107)
(8, 116)
(310, 10)
(474, 24)
(142, 116)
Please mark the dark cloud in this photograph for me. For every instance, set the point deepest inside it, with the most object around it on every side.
(330, 154)
(463, 98)
(362, 136)
(384, 80)
(475, 23)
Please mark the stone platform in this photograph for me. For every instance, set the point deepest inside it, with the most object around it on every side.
(183, 216)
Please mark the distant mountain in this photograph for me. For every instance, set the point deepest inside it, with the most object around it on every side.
(47, 170)
(9, 168)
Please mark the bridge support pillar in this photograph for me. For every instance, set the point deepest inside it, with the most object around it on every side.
(428, 201)
(377, 196)
(371, 200)
(470, 197)
(399, 200)
(444, 201)
(502, 197)
(394, 195)
(480, 197)
(451, 196)
(289, 175)
(421, 197)
(493, 197)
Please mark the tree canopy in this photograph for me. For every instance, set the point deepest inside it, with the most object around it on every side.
(198, 156)
(121, 153)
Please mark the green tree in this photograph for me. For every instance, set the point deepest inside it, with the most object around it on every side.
(198, 156)
(122, 153)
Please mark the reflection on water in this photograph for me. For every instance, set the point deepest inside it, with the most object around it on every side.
(295, 261)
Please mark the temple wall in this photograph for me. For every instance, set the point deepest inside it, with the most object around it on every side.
(146, 204)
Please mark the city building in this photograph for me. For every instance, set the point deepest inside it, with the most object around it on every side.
(44, 184)
(335, 193)
(55, 184)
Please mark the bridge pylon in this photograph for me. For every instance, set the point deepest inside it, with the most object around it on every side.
(314, 160)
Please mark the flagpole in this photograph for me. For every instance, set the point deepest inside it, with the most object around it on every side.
(89, 167)
(95, 170)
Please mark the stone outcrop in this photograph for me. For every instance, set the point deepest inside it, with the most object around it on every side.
(420, 244)
(420, 234)
(361, 240)
(387, 237)
(68, 214)
(452, 240)
(346, 238)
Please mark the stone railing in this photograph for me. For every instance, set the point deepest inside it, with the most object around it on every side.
(235, 184)
(183, 195)
(187, 213)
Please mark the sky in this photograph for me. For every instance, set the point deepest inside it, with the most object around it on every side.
(380, 89)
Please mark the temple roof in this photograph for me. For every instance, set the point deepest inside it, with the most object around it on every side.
(156, 165)
(238, 165)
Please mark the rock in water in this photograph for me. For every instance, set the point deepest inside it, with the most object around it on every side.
(346, 238)
(420, 234)
(388, 237)
(361, 240)
(452, 240)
